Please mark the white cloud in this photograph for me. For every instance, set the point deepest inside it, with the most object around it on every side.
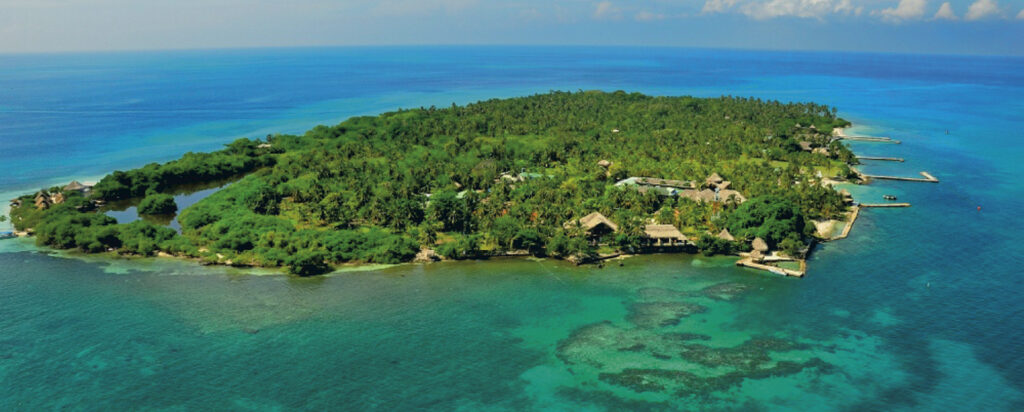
(645, 15)
(718, 6)
(770, 9)
(945, 12)
(905, 10)
(789, 8)
(981, 9)
(1020, 15)
(607, 10)
(847, 7)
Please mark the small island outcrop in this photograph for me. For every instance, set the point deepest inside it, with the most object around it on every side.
(555, 174)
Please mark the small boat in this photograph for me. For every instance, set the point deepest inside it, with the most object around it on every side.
(889, 197)
(7, 235)
(777, 271)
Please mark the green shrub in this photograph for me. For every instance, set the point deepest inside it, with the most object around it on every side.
(158, 204)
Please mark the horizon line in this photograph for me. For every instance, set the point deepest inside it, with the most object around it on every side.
(495, 45)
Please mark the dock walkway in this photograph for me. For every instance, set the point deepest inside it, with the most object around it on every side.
(748, 262)
(885, 205)
(928, 178)
(870, 139)
(889, 159)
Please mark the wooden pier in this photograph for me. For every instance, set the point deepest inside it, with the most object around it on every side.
(749, 263)
(885, 205)
(928, 178)
(850, 220)
(870, 139)
(889, 159)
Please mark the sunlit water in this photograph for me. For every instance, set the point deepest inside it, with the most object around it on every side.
(918, 310)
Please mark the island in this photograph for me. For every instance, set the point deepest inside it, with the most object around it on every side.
(580, 176)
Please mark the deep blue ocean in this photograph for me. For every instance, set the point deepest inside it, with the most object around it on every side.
(920, 309)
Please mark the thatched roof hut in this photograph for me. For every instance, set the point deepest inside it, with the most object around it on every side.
(604, 163)
(724, 185)
(806, 146)
(589, 222)
(663, 235)
(757, 256)
(759, 245)
(75, 186)
(714, 179)
(655, 231)
(724, 195)
(57, 198)
(725, 235)
(42, 202)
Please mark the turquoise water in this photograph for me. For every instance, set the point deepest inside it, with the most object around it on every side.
(918, 310)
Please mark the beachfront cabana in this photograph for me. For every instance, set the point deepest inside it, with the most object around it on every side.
(594, 225)
(759, 245)
(725, 235)
(663, 236)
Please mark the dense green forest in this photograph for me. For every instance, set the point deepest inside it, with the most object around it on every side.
(471, 180)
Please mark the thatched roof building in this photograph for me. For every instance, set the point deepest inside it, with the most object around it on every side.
(604, 163)
(75, 186)
(759, 245)
(806, 146)
(594, 222)
(725, 235)
(726, 194)
(654, 181)
(714, 179)
(42, 200)
(664, 235)
(757, 256)
(708, 195)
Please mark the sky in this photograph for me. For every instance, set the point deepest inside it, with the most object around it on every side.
(915, 26)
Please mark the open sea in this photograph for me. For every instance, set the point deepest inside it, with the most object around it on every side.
(920, 309)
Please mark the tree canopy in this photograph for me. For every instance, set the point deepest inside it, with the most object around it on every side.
(499, 174)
